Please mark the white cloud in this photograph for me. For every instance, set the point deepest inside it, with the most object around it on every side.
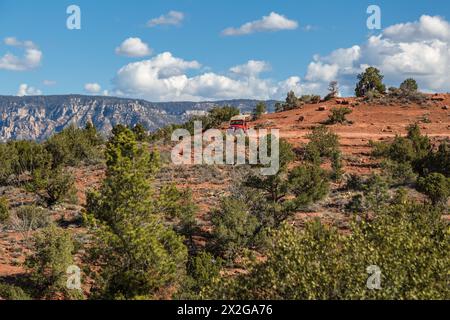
(426, 28)
(25, 90)
(164, 78)
(251, 68)
(418, 49)
(171, 18)
(30, 60)
(397, 52)
(272, 22)
(320, 71)
(92, 88)
(134, 47)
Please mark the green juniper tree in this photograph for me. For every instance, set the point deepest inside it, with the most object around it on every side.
(409, 86)
(135, 254)
(371, 80)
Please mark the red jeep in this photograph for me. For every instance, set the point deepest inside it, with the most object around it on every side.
(239, 124)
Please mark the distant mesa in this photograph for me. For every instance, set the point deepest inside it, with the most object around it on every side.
(37, 117)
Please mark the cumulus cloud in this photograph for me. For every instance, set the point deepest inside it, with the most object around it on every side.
(134, 47)
(419, 49)
(164, 78)
(92, 88)
(398, 52)
(272, 22)
(25, 90)
(251, 68)
(30, 60)
(171, 18)
(426, 28)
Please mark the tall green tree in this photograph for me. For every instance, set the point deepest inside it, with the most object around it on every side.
(370, 80)
(135, 254)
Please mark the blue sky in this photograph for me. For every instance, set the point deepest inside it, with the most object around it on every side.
(70, 59)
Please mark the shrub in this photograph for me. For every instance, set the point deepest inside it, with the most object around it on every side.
(436, 186)
(319, 263)
(30, 156)
(53, 185)
(274, 193)
(293, 102)
(421, 144)
(312, 153)
(259, 110)
(354, 182)
(8, 158)
(402, 150)
(92, 135)
(203, 267)
(336, 166)
(4, 210)
(414, 149)
(409, 86)
(29, 218)
(53, 254)
(399, 173)
(234, 228)
(370, 81)
(279, 107)
(324, 141)
(299, 265)
(309, 183)
(406, 234)
(10, 292)
(178, 206)
(438, 161)
(338, 115)
(310, 99)
(203, 270)
(72, 146)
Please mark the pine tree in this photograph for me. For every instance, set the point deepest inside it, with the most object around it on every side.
(136, 255)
